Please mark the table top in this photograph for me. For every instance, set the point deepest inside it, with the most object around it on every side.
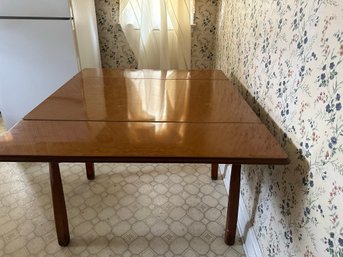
(107, 115)
(154, 74)
(123, 99)
(142, 142)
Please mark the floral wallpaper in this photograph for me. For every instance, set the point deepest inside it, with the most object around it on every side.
(203, 34)
(286, 58)
(114, 48)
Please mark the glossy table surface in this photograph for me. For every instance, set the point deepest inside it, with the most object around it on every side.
(141, 142)
(143, 116)
(120, 99)
(155, 74)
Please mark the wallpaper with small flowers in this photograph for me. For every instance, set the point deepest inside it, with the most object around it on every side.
(116, 52)
(114, 49)
(286, 58)
(203, 34)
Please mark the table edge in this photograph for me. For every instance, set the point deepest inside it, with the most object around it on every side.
(144, 159)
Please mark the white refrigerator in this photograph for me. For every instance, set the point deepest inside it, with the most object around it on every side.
(38, 53)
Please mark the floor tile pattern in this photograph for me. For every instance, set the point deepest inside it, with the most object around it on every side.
(128, 210)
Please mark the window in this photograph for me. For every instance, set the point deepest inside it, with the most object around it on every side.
(136, 11)
(158, 32)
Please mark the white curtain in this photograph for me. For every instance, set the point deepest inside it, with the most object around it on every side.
(158, 32)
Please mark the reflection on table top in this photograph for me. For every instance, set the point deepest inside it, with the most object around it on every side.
(154, 74)
(143, 116)
(141, 142)
(110, 99)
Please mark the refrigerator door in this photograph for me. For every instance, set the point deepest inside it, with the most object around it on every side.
(35, 8)
(37, 57)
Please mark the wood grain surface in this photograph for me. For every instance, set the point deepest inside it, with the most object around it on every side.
(154, 74)
(110, 99)
(140, 142)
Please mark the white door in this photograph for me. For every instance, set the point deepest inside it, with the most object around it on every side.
(36, 58)
(87, 33)
(37, 8)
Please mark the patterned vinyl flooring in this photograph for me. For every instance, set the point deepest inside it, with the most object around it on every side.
(128, 210)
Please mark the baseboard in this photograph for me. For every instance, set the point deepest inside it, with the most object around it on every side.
(245, 229)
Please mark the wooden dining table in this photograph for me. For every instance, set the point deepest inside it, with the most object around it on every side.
(145, 116)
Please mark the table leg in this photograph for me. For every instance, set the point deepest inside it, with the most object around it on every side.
(214, 171)
(232, 208)
(90, 170)
(60, 212)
